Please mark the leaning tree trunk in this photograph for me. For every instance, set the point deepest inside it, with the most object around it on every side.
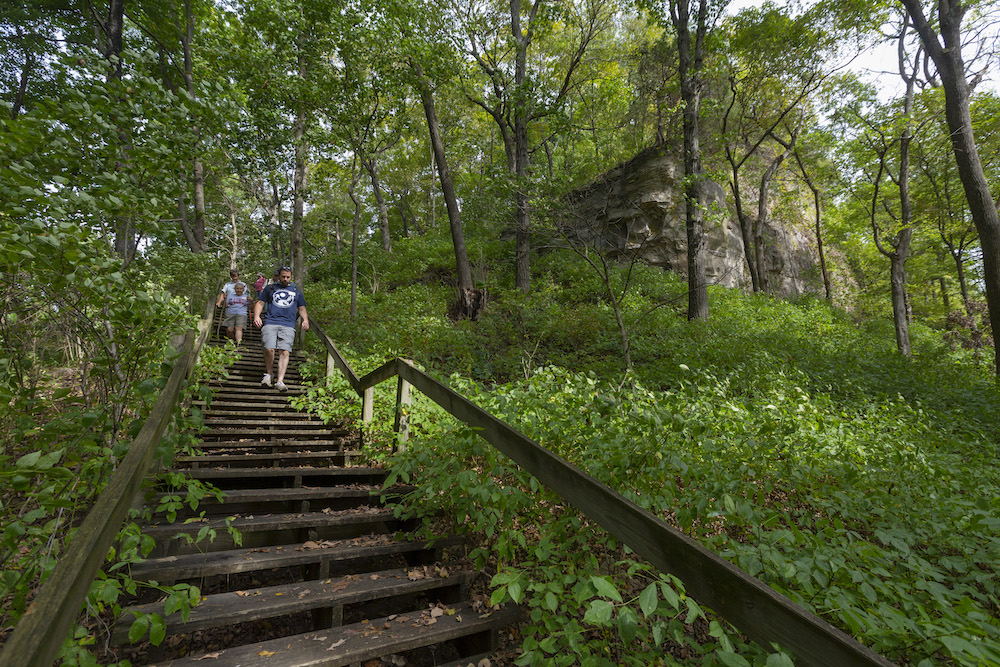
(465, 286)
(982, 205)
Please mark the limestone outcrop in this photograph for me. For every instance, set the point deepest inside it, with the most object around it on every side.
(638, 207)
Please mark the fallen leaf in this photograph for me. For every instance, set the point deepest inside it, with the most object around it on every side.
(310, 545)
(304, 593)
(266, 654)
(209, 656)
(437, 611)
(242, 594)
(336, 644)
(485, 662)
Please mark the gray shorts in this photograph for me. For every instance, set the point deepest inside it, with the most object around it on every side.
(277, 337)
(236, 320)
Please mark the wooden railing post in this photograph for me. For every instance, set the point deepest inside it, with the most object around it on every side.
(402, 424)
(367, 414)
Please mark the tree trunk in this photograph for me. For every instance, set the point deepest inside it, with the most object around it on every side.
(198, 230)
(819, 227)
(522, 204)
(982, 205)
(447, 188)
(22, 82)
(296, 244)
(383, 214)
(762, 200)
(746, 230)
(354, 246)
(689, 69)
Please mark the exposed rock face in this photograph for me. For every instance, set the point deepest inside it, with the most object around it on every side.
(639, 207)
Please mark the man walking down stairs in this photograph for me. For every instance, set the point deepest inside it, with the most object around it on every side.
(284, 302)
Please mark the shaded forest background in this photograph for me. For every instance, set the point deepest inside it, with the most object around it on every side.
(412, 162)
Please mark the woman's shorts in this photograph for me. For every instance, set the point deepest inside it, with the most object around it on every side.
(236, 320)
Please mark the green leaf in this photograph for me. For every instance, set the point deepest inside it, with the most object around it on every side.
(138, 629)
(606, 589)
(648, 600)
(28, 460)
(628, 624)
(731, 659)
(599, 612)
(515, 590)
(157, 630)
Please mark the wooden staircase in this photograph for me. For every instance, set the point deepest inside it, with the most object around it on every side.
(322, 572)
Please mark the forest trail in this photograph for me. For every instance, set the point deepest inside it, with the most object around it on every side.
(322, 573)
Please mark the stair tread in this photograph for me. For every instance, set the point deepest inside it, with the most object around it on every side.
(362, 641)
(226, 458)
(240, 606)
(297, 493)
(338, 471)
(188, 566)
(274, 521)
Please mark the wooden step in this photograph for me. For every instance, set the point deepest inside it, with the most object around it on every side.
(282, 444)
(351, 644)
(247, 459)
(300, 421)
(289, 477)
(223, 609)
(357, 552)
(271, 529)
(265, 432)
(271, 500)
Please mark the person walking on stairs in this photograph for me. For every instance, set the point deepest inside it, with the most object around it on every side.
(235, 317)
(277, 330)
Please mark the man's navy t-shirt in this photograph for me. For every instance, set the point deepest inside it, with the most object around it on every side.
(282, 304)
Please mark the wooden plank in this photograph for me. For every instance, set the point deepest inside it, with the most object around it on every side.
(54, 610)
(360, 549)
(753, 607)
(223, 609)
(351, 644)
(349, 472)
(338, 358)
(276, 521)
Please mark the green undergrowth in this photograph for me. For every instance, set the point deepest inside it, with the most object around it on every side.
(51, 487)
(870, 519)
(788, 437)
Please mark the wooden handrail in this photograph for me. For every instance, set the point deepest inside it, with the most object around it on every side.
(751, 606)
(39, 634)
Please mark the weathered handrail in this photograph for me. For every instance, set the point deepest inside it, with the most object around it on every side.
(39, 634)
(754, 608)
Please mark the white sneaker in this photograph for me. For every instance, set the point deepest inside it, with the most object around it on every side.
(266, 380)
(280, 386)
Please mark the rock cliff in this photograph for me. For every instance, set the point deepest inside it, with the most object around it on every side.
(638, 207)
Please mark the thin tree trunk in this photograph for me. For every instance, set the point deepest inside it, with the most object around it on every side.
(690, 65)
(762, 212)
(199, 170)
(383, 214)
(296, 244)
(819, 227)
(22, 83)
(447, 188)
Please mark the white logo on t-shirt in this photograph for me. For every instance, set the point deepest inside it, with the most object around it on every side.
(283, 299)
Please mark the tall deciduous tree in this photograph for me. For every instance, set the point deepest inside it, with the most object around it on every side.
(691, 32)
(943, 44)
(517, 91)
